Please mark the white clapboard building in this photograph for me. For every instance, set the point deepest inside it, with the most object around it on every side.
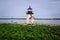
(30, 17)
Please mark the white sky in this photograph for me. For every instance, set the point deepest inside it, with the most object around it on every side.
(18, 8)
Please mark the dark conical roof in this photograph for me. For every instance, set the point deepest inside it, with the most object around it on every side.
(29, 8)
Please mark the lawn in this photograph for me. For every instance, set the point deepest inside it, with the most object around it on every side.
(29, 32)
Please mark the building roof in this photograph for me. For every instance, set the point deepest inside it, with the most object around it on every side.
(29, 8)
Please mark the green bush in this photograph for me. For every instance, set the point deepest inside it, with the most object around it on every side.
(29, 32)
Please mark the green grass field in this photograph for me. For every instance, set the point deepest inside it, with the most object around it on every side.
(29, 32)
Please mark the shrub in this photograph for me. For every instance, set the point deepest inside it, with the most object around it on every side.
(29, 32)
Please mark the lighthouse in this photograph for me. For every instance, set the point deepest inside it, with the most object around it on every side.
(30, 17)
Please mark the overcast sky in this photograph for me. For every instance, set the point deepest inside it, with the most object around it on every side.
(41, 8)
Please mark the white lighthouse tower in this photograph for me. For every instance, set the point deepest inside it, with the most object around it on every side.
(30, 17)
